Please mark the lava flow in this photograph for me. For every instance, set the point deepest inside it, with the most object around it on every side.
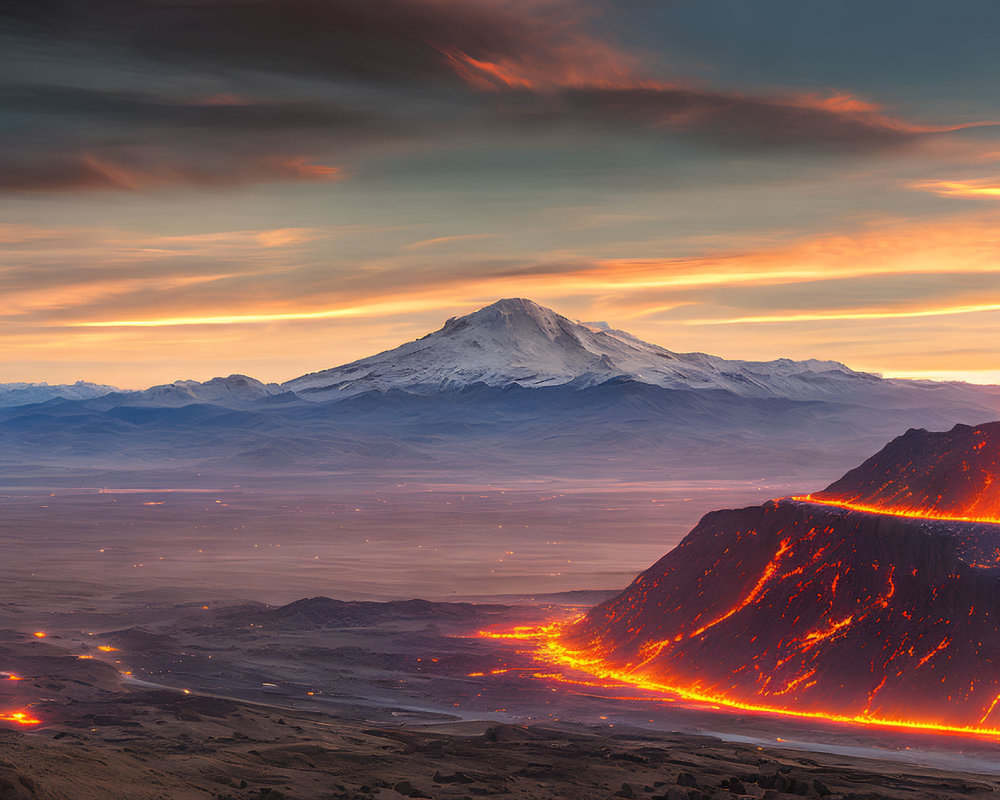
(815, 611)
(892, 511)
(584, 668)
(19, 717)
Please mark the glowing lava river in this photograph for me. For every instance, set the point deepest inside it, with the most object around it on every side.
(563, 664)
(19, 717)
(875, 602)
(922, 513)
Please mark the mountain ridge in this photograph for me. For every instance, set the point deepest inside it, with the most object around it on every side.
(512, 388)
(24, 393)
(517, 341)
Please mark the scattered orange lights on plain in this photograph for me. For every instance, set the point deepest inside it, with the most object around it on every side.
(39, 634)
(548, 648)
(106, 648)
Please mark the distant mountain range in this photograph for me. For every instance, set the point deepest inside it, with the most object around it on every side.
(20, 394)
(512, 386)
(516, 342)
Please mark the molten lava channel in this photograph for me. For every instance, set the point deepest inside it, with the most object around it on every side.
(19, 717)
(888, 618)
(896, 511)
(548, 648)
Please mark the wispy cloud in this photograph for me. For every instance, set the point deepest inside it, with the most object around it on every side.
(133, 170)
(367, 310)
(267, 277)
(887, 313)
(439, 240)
(979, 188)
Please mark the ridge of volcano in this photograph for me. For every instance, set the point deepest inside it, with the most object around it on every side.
(825, 610)
(945, 475)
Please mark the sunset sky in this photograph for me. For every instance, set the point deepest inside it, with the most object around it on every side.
(191, 188)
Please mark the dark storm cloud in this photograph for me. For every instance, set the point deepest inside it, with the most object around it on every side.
(515, 68)
(213, 114)
(101, 139)
(322, 38)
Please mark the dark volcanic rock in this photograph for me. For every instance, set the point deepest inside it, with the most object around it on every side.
(314, 613)
(14, 785)
(817, 608)
(949, 474)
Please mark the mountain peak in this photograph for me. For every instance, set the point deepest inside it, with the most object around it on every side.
(514, 305)
(517, 341)
(234, 391)
(512, 313)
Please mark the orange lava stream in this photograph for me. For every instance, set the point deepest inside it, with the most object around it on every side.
(548, 649)
(769, 572)
(892, 512)
(20, 717)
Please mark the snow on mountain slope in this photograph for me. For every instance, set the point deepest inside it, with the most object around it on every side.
(236, 390)
(19, 394)
(517, 341)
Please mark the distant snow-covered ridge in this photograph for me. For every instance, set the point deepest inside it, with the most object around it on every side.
(18, 394)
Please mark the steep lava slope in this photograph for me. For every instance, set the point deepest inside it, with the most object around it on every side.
(819, 608)
(938, 475)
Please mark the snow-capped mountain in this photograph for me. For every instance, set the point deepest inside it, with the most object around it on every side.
(19, 394)
(236, 390)
(517, 341)
(513, 386)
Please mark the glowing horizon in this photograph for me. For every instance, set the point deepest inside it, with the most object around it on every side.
(644, 166)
